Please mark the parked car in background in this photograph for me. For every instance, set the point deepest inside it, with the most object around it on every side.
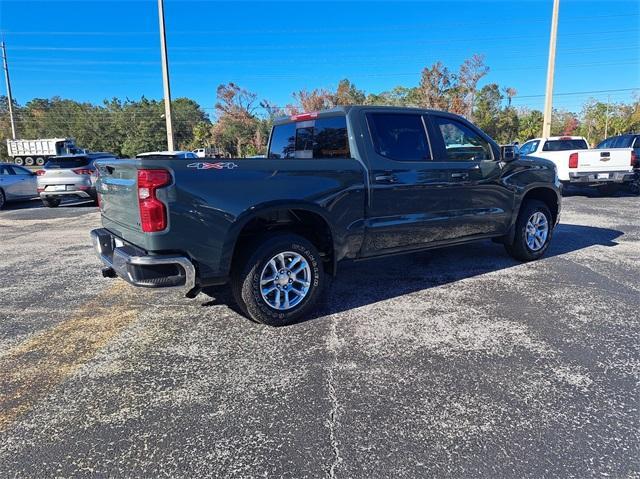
(175, 155)
(629, 140)
(69, 176)
(349, 183)
(16, 183)
(37, 152)
(576, 163)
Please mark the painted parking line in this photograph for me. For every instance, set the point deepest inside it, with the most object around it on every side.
(33, 368)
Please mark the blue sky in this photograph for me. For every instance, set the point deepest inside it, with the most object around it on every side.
(91, 50)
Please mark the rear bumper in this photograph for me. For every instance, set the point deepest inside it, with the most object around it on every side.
(597, 178)
(91, 193)
(141, 269)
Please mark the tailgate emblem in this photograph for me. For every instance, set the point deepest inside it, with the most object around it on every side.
(205, 165)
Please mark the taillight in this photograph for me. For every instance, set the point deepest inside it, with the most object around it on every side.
(153, 213)
(573, 160)
(82, 171)
(634, 159)
(40, 172)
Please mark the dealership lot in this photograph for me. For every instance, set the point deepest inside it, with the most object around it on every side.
(456, 362)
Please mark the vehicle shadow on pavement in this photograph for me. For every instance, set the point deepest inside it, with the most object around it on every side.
(367, 282)
(590, 192)
(36, 203)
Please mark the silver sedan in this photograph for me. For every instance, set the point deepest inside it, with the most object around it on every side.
(16, 183)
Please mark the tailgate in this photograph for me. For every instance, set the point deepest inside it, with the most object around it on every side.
(614, 159)
(118, 193)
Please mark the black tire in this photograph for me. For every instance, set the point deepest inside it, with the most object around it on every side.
(18, 161)
(3, 200)
(51, 202)
(245, 279)
(39, 161)
(29, 161)
(519, 249)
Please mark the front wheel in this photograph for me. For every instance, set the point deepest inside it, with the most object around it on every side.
(534, 228)
(281, 280)
(2, 199)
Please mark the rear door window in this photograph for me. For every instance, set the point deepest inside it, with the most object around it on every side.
(399, 136)
(564, 145)
(6, 170)
(319, 138)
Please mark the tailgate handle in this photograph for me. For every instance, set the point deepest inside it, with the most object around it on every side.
(605, 153)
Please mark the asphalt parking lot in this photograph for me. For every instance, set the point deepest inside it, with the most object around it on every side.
(458, 362)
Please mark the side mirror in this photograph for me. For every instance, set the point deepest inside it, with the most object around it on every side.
(508, 152)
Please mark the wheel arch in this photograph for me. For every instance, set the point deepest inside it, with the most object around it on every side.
(546, 195)
(307, 220)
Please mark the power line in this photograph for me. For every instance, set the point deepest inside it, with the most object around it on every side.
(297, 46)
(286, 30)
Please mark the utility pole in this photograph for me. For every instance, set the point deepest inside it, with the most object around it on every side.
(165, 77)
(548, 101)
(606, 118)
(9, 96)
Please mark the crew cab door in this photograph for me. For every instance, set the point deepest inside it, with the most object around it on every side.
(408, 202)
(480, 204)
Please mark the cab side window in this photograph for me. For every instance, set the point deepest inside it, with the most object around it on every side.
(461, 142)
(399, 136)
(529, 147)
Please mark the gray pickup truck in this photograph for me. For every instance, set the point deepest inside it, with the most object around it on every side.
(345, 184)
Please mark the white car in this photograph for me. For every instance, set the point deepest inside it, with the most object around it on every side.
(188, 155)
(576, 163)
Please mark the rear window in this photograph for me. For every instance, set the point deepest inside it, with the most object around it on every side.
(321, 138)
(62, 163)
(622, 142)
(564, 145)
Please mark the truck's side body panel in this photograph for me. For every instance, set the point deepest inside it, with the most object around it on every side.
(208, 207)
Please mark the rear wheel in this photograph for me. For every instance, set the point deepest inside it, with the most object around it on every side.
(18, 160)
(29, 161)
(51, 202)
(534, 228)
(39, 161)
(2, 199)
(280, 281)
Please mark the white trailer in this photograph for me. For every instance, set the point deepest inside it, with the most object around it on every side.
(37, 152)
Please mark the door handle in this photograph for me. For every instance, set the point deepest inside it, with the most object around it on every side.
(386, 178)
(460, 176)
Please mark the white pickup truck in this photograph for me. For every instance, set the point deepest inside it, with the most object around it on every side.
(578, 164)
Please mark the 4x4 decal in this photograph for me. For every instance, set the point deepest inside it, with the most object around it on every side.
(205, 165)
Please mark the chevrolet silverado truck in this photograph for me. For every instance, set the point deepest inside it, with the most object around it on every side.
(605, 169)
(345, 184)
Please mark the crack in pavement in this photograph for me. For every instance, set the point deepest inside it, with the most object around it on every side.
(333, 413)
